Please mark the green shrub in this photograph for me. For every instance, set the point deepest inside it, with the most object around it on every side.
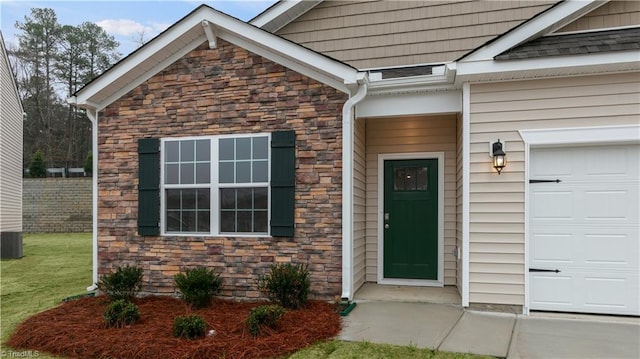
(264, 315)
(189, 326)
(36, 167)
(287, 285)
(120, 313)
(124, 283)
(198, 286)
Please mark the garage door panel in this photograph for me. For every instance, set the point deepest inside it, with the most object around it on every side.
(555, 205)
(611, 250)
(587, 292)
(551, 248)
(587, 228)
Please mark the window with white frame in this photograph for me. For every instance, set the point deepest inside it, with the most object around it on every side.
(215, 185)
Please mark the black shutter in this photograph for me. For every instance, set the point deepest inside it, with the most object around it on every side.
(283, 183)
(149, 186)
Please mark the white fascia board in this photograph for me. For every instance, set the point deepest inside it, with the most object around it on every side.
(152, 71)
(136, 59)
(551, 20)
(410, 104)
(554, 65)
(272, 13)
(267, 44)
(443, 80)
(286, 61)
(288, 54)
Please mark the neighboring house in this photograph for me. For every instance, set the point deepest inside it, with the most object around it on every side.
(357, 138)
(10, 160)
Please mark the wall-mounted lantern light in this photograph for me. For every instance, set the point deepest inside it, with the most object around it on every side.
(499, 157)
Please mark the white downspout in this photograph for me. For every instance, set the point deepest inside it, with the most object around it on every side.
(347, 185)
(93, 117)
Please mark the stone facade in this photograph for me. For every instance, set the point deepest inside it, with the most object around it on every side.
(225, 91)
(61, 205)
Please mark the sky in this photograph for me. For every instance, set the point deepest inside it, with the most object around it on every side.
(125, 20)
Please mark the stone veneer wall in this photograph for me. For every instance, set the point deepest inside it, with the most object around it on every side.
(224, 91)
(56, 205)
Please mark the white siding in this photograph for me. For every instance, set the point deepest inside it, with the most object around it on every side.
(497, 205)
(359, 205)
(10, 149)
(412, 134)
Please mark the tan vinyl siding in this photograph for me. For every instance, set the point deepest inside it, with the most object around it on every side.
(459, 187)
(612, 14)
(412, 134)
(10, 150)
(395, 33)
(359, 204)
(498, 111)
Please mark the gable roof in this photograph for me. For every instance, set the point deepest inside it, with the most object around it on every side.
(202, 25)
(576, 43)
(481, 65)
(11, 75)
(282, 13)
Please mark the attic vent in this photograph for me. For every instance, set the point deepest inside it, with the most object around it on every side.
(406, 72)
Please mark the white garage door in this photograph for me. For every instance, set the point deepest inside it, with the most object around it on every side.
(586, 228)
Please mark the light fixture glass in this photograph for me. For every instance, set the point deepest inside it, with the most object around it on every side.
(499, 157)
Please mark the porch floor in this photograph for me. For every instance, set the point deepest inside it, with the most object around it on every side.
(374, 292)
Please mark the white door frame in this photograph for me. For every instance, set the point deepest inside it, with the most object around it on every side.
(410, 156)
(553, 137)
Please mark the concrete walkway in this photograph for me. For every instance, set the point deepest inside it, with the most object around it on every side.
(450, 328)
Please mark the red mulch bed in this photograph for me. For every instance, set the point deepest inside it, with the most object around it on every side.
(76, 329)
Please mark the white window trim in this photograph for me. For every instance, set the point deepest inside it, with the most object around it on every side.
(214, 186)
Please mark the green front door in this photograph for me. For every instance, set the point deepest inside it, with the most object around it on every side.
(410, 219)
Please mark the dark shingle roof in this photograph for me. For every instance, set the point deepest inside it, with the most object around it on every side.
(576, 44)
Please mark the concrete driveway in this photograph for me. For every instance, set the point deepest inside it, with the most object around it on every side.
(450, 328)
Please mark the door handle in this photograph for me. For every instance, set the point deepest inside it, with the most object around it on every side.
(386, 226)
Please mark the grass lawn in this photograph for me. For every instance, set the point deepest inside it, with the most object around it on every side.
(56, 266)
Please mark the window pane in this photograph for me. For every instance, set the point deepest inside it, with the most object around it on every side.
(173, 221)
(410, 179)
(227, 198)
(172, 151)
(398, 179)
(189, 221)
(245, 221)
(243, 172)
(260, 171)
(187, 150)
(243, 148)
(260, 221)
(173, 198)
(186, 173)
(171, 174)
(226, 149)
(203, 173)
(204, 198)
(260, 198)
(260, 149)
(421, 179)
(245, 198)
(227, 221)
(226, 172)
(188, 199)
(203, 221)
(203, 150)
